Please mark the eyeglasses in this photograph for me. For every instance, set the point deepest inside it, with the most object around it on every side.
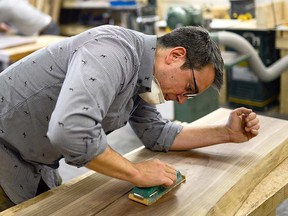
(196, 90)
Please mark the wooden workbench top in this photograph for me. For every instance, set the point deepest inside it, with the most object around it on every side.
(221, 180)
(14, 54)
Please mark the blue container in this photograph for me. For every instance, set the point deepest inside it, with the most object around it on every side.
(122, 3)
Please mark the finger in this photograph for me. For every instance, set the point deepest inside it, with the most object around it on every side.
(170, 168)
(255, 127)
(251, 130)
(251, 116)
(242, 110)
(255, 132)
(171, 177)
(252, 123)
(171, 172)
(169, 183)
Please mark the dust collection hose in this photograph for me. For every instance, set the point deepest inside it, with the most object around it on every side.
(242, 46)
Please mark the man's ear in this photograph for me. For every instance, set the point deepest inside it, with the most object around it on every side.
(176, 54)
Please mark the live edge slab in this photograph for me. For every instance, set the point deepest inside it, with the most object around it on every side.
(228, 179)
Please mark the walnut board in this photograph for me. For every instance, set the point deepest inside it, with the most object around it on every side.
(218, 179)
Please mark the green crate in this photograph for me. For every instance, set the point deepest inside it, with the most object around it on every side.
(249, 91)
(197, 107)
(254, 93)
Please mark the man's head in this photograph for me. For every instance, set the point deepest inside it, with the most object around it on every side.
(187, 62)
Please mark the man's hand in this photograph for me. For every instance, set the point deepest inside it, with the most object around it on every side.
(242, 125)
(155, 172)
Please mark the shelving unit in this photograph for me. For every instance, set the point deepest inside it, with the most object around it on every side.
(78, 16)
(71, 4)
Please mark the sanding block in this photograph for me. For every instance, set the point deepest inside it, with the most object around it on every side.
(149, 195)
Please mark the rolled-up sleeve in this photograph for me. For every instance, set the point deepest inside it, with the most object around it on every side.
(156, 133)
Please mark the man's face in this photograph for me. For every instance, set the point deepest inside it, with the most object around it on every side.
(179, 85)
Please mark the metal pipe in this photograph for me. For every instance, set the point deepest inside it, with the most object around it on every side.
(242, 46)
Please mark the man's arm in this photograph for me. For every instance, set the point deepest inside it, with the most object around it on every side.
(242, 125)
(144, 174)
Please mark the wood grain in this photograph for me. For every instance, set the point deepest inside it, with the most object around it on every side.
(218, 179)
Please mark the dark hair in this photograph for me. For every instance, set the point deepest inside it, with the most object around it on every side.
(200, 48)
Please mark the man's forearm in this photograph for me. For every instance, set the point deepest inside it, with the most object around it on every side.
(112, 164)
(195, 137)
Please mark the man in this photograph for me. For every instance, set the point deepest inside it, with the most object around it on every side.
(63, 100)
(27, 20)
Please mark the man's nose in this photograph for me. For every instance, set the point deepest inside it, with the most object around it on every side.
(181, 99)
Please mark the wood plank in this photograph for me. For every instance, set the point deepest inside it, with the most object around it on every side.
(284, 88)
(14, 54)
(55, 10)
(219, 178)
(217, 181)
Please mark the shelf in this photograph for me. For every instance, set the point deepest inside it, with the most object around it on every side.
(90, 4)
(78, 16)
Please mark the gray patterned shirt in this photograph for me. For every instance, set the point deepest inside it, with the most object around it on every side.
(62, 101)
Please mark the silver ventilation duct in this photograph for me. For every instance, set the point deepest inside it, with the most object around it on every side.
(242, 46)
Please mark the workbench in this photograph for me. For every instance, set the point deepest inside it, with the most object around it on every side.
(13, 54)
(227, 179)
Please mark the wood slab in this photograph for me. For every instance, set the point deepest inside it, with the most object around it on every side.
(219, 179)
